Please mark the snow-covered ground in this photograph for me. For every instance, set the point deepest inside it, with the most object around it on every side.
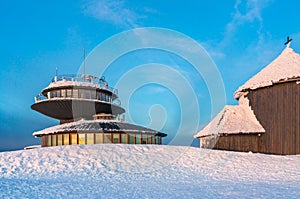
(142, 171)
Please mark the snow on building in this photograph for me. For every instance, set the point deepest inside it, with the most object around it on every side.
(267, 119)
(89, 112)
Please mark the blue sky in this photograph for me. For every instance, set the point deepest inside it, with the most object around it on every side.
(38, 36)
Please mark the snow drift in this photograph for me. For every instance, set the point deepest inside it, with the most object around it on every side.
(146, 171)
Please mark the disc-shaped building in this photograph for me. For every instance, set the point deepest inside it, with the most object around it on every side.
(89, 112)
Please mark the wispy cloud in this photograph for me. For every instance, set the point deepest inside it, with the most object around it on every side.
(246, 20)
(116, 12)
(245, 13)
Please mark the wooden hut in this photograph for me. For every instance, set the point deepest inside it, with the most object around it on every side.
(267, 119)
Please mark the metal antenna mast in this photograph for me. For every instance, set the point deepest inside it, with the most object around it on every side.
(83, 61)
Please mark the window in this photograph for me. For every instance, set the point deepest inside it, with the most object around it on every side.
(90, 138)
(69, 93)
(53, 138)
(63, 93)
(98, 96)
(58, 93)
(138, 138)
(66, 139)
(149, 139)
(81, 138)
(59, 140)
(158, 140)
(116, 138)
(49, 140)
(103, 97)
(98, 138)
(144, 139)
(107, 138)
(81, 93)
(153, 139)
(107, 98)
(93, 94)
(75, 93)
(131, 139)
(124, 138)
(73, 138)
(88, 94)
(52, 94)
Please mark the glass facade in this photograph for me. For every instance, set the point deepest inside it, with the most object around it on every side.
(73, 137)
(63, 93)
(48, 140)
(107, 137)
(53, 139)
(116, 138)
(144, 139)
(93, 94)
(59, 140)
(124, 138)
(81, 138)
(131, 138)
(99, 138)
(75, 93)
(137, 138)
(149, 139)
(88, 94)
(66, 139)
(90, 138)
(80, 93)
(69, 93)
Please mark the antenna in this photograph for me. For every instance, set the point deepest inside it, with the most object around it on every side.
(56, 71)
(83, 61)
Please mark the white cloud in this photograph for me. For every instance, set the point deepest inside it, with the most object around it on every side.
(111, 11)
(245, 12)
(116, 12)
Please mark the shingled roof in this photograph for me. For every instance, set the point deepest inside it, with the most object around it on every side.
(97, 126)
(284, 68)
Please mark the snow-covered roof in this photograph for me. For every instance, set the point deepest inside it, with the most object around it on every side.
(66, 83)
(233, 120)
(99, 125)
(285, 67)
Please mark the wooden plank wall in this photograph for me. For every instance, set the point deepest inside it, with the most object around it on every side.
(239, 142)
(278, 110)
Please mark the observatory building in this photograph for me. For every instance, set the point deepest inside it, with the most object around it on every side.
(89, 112)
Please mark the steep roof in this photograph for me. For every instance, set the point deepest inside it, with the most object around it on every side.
(233, 120)
(99, 125)
(285, 67)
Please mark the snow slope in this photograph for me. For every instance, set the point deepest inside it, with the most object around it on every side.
(144, 171)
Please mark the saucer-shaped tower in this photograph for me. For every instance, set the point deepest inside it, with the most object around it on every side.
(89, 112)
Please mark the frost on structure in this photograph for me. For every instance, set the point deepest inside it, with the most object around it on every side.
(99, 125)
(75, 84)
(285, 67)
(233, 120)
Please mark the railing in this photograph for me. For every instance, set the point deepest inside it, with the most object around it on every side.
(85, 78)
(41, 97)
